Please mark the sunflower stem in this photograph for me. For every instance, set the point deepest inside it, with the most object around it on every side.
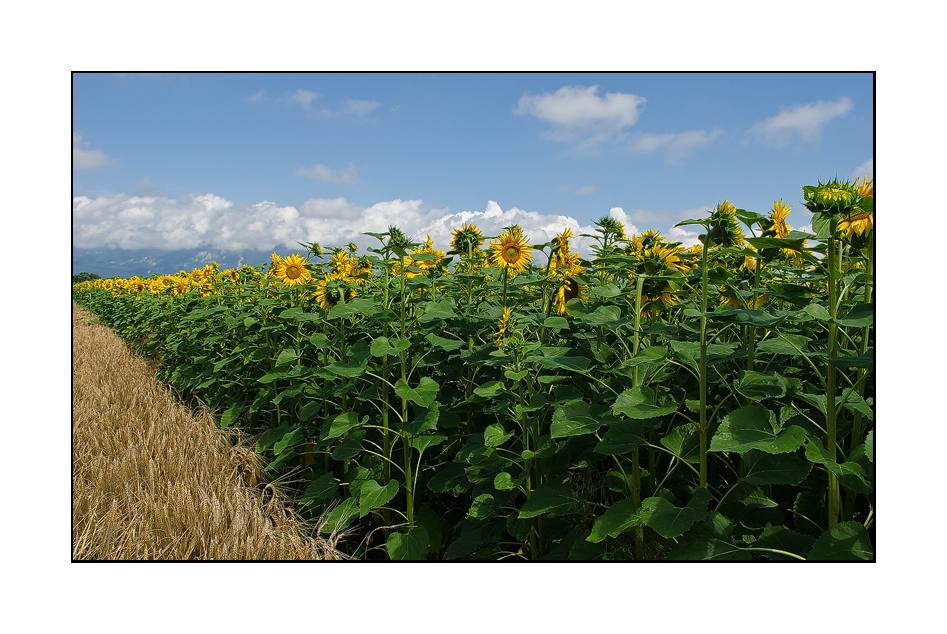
(703, 363)
(833, 487)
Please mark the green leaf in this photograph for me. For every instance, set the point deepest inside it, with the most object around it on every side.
(371, 495)
(861, 361)
(425, 420)
(319, 340)
(648, 355)
(382, 346)
(410, 546)
(849, 473)
(290, 439)
(665, 518)
(574, 364)
(491, 389)
(423, 395)
(341, 516)
(482, 506)
(606, 290)
(343, 423)
(230, 416)
(778, 243)
(603, 315)
(870, 445)
(639, 403)
(505, 482)
(705, 548)
(621, 437)
(552, 497)
(556, 322)
(756, 386)
(845, 541)
(575, 418)
(426, 441)
(818, 311)
(787, 468)
(859, 316)
(358, 306)
(744, 317)
(755, 427)
(442, 343)
(793, 345)
(515, 376)
(436, 310)
(309, 410)
(494, 435)
(322, 488)
(781, 538)
(620, 517)
(348, 448)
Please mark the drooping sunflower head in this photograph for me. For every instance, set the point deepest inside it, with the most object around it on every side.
(292, 271)
(724, 230)
(467, 239)
(511, 250)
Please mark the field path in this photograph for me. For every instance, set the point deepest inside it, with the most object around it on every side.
(152, 480)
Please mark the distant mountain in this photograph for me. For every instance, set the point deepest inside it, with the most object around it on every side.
(127, 263)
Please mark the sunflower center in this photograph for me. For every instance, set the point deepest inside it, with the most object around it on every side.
(293, 272)
(512, 253)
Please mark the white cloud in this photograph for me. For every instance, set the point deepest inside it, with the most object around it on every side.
(212, 222)
(87, 159)
(322, 172)
(865, 169)
(586, 189)
(675, 144)
(359, 106)
(805, 120)
(580, 114)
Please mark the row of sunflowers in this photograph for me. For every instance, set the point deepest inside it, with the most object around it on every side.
(653, 401)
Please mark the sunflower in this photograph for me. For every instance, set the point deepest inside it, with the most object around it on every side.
(428, 248)
(504, 325)
(862, 221)
(332, 289)
(724, 229)
(834, 197)
(565, 266)
(292, 271)
(511, 250)
(778, 226)
(467, 239)
(181, 286)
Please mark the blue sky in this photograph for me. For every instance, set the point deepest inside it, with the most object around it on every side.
(265, 160)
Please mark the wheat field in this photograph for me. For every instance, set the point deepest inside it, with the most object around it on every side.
(153, 480)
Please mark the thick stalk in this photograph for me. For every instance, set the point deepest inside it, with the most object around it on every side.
(703, 364)
(833, 490)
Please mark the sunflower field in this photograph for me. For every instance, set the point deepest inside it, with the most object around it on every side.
(515, 401)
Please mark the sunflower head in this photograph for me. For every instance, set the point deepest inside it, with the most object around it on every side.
(333, 289)
(397, 239)
(867, 188)
(832, 198)
(724, 230)
(467, 239)
(778, 227)
(504, 326)
(292, 271)
(428, 249)
(611, 228)
(511, 250)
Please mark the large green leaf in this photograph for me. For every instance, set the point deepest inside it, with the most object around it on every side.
(371, 495)
(341, 516)
(553, 497)
(639, 403)
(859, 316)
(423, 395)
(383, 346)
(844, 541)
(494, 435)
(425, 420)
(781, 538)
(410, 546)
(709, 540)
(603, 315)
(482, 506)
(322, 488)
(784, 468)
(621, 437)
(431, 311)
(574, 364)
(620, 517)
(793, 345)
(744, 317)
(757, 386)
(755, 427)
(290, 439)
(672, 521)
(343, 423)
(577, 418)
(652, 354)
(850, 473)
(349, 369)
(442, 343)
(358, 306)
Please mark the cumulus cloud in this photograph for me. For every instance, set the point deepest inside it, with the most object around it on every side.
(675, 144)
(805, 120)
(211, 222)
(87, 159)
(322, 172)
(579, 114)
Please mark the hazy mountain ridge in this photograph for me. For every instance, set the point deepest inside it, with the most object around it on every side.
(127, 263)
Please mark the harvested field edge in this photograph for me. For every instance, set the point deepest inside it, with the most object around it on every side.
(153, 480)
